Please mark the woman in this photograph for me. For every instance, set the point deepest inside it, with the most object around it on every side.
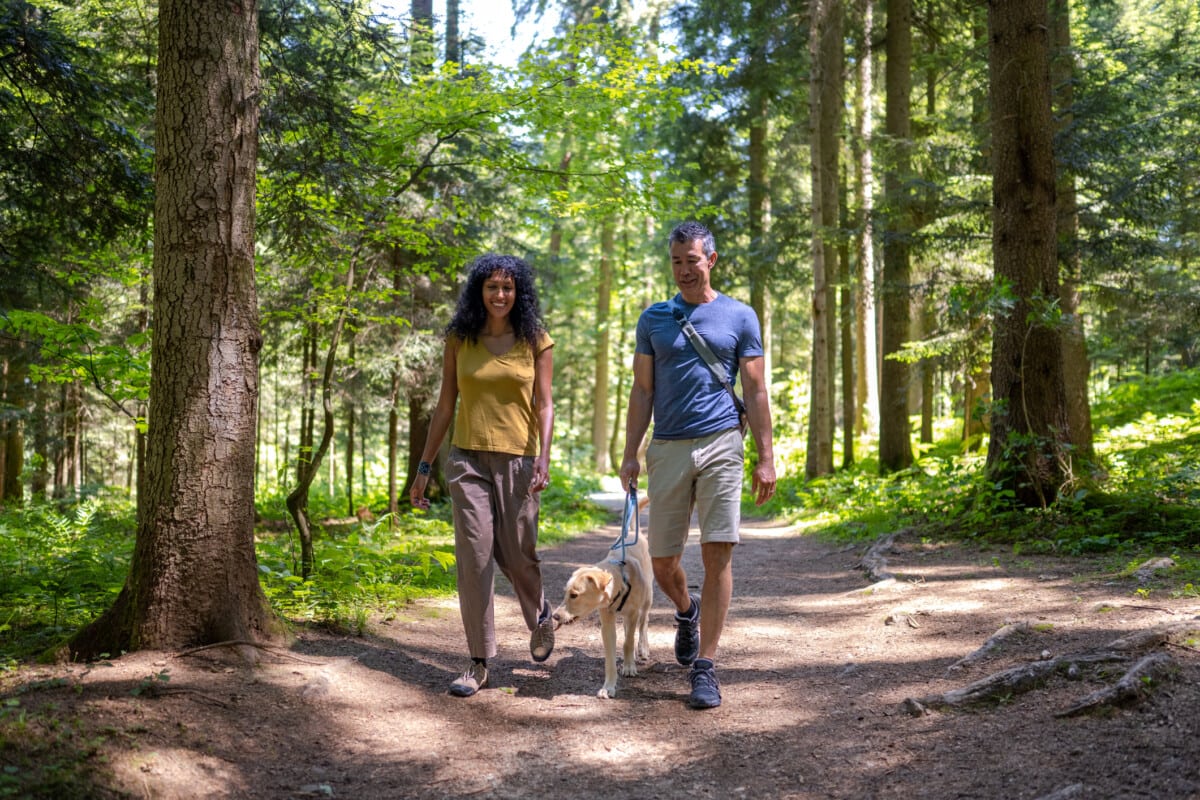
(497, 369)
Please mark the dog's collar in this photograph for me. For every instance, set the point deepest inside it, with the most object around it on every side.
(618, 602)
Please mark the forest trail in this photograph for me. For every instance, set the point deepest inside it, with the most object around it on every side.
(814, 673)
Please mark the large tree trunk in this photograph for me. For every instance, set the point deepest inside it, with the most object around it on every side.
(1027, 452)
(832, 54)
(819, 456)
(846, 336)
(895, 436)
(194, 576)
(12, 432)
(1075, 355)
(867, 395)
(928, 372)
(453, 40)
(600, 372)
(758, 198)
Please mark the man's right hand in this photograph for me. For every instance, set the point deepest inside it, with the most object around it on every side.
(630, 469)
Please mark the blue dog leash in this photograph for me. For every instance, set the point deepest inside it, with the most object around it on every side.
(628, 519)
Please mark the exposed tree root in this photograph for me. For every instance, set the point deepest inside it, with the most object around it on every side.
(1065, 793)
(1003, 684)
(994, 643)
(874, 562)
(239, 643)
(162, 691)
(1130, 688)
(1023, 677)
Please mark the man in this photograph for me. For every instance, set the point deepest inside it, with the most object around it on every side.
(696, 455)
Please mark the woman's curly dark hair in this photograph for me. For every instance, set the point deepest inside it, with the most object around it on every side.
(526, 315)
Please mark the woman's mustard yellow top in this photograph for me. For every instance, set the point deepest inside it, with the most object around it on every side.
(495, 404)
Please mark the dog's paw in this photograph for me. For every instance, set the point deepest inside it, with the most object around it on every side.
(607, 692)
(629, 669)
(643, 654)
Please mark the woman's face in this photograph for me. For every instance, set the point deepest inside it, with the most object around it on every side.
(499, 293)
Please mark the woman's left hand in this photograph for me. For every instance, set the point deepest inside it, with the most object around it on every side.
(541, 476)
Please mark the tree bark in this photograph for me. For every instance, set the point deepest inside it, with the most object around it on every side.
(454, 54)
(867, 394)
(40, 480)
(1076, 367)
(758, 197)
(928, 372)
(350, 433)
(194, 577)
(1028, 451)
(600, 365)
(819, 455)
(832, 53)
(895, 436)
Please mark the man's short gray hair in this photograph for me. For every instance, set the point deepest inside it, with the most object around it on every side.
(687, 232)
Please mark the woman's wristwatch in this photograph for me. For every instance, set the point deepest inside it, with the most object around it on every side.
(424, 468)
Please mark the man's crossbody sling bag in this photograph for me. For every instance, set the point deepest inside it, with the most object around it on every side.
(706, 353)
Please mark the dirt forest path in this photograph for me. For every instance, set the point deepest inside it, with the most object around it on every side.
(814, 672)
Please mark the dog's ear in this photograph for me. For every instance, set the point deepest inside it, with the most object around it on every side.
(601, 579)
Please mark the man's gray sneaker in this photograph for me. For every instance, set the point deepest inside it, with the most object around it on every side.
(687, 633)
(471, 681)
(541, 642)
(706, 692)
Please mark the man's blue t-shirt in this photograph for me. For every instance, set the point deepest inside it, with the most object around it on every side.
(689, 401)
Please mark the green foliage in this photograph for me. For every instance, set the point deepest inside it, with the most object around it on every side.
(1145, 497)
(60, 569)
(566, 509)
(374, 567)
(63, 567)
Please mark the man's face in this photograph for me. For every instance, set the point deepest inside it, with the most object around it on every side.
(692, 269)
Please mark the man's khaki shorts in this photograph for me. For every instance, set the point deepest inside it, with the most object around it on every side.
(702, 475)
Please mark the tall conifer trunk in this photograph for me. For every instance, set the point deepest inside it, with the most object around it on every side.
(895, 443)
(1027, 452)
(1076, 366)
(866, 342)
(194, 577)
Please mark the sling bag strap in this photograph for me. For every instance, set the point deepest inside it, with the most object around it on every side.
(706, 353)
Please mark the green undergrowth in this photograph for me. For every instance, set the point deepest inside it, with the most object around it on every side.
(1141, 498)
(62, 566)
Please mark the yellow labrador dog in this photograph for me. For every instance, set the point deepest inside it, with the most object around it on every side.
(613, 588)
